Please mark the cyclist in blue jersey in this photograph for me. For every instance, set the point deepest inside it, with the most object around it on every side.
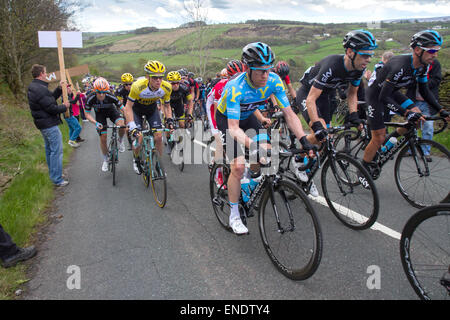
(235, 115)
(399, 72)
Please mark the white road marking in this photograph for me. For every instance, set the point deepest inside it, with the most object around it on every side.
(344, 210)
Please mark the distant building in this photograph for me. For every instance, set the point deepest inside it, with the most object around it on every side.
(374, 25)
(437, 28)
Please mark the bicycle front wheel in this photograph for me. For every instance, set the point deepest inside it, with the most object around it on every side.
(423, 180)
(350, 192)
(158, 180)
(290, 231)
(425, 252)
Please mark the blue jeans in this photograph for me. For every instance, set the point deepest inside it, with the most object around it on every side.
(74, 128)
(427, 127)
(54, 153)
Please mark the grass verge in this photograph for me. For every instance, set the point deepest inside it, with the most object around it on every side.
(29, 192)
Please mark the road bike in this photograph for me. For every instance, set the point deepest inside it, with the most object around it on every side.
(425, 251)
(175, 143)
(113, 151)
(288, 225)
(348, 188)
(151, 166)
(421, 179)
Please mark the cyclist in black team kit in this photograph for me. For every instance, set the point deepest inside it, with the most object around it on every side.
(327, 75)
(332, 72)
(399, 72)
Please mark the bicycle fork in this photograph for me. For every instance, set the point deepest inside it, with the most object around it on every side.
(275, 210)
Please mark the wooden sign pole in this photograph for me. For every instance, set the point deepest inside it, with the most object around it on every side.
(62, 68)
(69, 78)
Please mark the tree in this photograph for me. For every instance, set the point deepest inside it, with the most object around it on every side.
(198, 14)
(19, 23)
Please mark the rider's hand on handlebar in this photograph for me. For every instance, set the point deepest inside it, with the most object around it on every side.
(414, 117)
(309, 147)
(319, 131)
(266, 122)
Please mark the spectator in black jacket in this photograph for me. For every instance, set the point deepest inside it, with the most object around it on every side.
(46, 115)
(434, 80)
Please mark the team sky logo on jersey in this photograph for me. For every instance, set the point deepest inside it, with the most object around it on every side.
(327, 75)
(398, 75)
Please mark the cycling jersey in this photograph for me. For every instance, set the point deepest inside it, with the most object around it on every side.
(330, 73)
(109, 102)
(179, 98)
(143, 97)
(240, 99)
(108, 108)
(214, 96)
(122, 94)
(384, 90)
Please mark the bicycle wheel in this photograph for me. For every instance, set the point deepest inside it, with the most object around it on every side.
(145, 165)
(294, 245)
(430, 186)
(158, 180)
(425, 252)
(350, 192)
(113, 159)
(218, 179)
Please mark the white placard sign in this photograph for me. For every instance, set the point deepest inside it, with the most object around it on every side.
(70, 39)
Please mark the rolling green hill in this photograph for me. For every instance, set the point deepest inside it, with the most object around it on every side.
(301, 44)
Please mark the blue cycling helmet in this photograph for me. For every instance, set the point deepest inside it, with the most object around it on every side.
(426, 38)
(258, 54)
(360, 40)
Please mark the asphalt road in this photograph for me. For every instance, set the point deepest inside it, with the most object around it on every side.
(122, 246)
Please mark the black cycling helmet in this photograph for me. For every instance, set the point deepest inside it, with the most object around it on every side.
(183, 72)
(426, 38)
(282, 69)
(234, 66)
(360, 40)
(257, 54)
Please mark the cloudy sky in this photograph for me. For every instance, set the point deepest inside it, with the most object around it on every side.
(115, 15)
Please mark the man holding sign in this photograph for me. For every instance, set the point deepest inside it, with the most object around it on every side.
(46, 115)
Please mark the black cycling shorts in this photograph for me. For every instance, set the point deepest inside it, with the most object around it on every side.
(101, 116)
(252, 128)
(152, 115)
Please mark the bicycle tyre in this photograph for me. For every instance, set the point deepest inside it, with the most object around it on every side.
(219, 194)
(414, 233)
(112, 159)
(405, 172)
(145, 165)
(305, 224)
(361, 199)
(349, 142)
(158, 174)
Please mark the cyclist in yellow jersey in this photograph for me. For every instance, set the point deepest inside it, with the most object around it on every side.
(142, 101)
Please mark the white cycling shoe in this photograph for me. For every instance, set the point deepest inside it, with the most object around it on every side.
(105, 166)
(313, 190)
(122, 146)
(238, 227)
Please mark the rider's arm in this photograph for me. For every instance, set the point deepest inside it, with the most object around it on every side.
(293, 122)
(128, 111)
(390, 98)
(311, 105)
(428, 96)
(238, 134)
(190, 103)
(352, 98)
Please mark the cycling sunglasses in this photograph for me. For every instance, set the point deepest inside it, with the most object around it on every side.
(264, 68)
(101, 92)
(127, 84)
(157, 77)
(364, 54)
(429, 50)
(175, 82)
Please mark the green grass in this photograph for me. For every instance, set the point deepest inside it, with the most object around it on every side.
(23, 203)
(101, 41)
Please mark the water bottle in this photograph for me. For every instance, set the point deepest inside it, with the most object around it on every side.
(245, 186)
(389, 144)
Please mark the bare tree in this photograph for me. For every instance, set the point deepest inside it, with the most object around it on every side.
(198, 15)
(19, 23)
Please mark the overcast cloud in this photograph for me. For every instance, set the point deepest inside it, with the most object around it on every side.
(115, 15)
